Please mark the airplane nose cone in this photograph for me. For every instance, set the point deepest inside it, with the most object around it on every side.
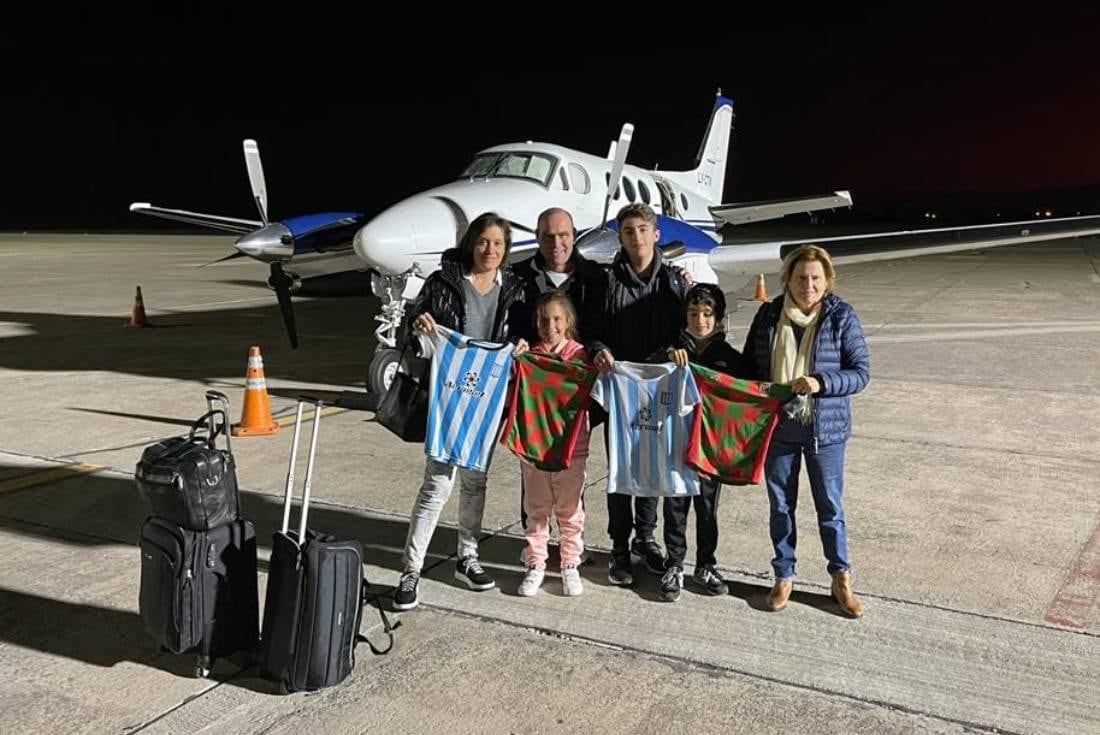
(271, 243)
(415, 231)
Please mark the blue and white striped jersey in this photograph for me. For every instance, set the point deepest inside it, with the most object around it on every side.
(466, 400)
(648, 426)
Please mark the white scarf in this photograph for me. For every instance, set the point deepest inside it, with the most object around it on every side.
(792, 358)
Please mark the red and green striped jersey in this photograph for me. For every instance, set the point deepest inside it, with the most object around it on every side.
(548, 420)
(732, 426)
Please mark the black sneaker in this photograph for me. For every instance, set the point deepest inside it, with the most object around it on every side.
(404, 596)
(650, 552)
(619, 570)
(672, 583)
(710, 580)
(470, 572)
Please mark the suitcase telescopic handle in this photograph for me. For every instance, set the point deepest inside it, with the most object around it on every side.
(206, 422)
(216, 396)
(289, 492)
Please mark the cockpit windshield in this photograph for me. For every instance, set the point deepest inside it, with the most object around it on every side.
(512, 164)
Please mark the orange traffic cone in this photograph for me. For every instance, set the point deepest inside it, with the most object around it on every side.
(761, 290)
(137, 314)
(256, 415)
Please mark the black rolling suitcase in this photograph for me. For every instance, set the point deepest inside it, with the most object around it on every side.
(198, 585)
(198, 589)
(187, 479)
(316, 593)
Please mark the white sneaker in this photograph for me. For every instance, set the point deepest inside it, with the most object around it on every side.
(531, 583)
(571, 582)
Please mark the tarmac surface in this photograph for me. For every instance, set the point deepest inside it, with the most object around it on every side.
(972, 497)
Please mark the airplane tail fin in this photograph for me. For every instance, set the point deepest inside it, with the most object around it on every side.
(708, 178)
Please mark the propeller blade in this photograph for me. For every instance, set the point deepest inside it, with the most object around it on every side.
(280, 282)
(621, 149)
(231, 256)
(256, 177)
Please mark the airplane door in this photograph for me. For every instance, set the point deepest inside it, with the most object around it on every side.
(668, 198)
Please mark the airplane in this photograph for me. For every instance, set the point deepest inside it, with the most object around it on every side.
(396, 250)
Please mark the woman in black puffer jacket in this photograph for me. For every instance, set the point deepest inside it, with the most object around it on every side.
(473, 293)
(812, 340)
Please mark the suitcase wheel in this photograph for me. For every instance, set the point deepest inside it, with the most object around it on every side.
(202, 667)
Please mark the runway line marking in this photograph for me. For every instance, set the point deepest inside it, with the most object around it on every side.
(1078, 593)
(326, 411)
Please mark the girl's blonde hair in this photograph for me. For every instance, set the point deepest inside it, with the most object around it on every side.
(554, 296)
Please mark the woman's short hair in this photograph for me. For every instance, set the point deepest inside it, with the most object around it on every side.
(808, 253)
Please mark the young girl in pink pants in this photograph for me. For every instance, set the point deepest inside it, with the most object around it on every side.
(557, 493)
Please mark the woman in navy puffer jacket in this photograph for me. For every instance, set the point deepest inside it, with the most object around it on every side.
(812, 340)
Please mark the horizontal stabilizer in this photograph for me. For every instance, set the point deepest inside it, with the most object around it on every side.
(745, 212)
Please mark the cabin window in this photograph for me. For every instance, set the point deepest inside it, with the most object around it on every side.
(628, 187)
(581, 183)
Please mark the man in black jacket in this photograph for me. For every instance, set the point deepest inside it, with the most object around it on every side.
(643, 312)
(557, 265)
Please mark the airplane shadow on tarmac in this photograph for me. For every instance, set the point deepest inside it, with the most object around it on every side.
(336, 342)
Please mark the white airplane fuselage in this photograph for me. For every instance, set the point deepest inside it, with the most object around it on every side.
(413, 233)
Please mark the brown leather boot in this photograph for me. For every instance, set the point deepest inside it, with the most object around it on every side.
(781, 592)
(842, 593)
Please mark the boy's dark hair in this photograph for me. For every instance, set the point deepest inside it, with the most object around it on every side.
(639, 211)
(707, 294)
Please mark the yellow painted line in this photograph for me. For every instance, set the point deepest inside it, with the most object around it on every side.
(308, 415)
(49, 474)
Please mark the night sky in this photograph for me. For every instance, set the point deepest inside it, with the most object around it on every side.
(897, 106)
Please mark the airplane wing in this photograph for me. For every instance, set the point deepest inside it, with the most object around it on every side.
(739, 213)
(217, 222)
(767, 257)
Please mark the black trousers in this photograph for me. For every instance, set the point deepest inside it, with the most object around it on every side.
(621, 519)
(706, 525)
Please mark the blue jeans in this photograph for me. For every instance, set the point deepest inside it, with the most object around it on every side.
(790, 443)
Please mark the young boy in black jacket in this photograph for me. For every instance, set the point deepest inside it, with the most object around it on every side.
(702, 341)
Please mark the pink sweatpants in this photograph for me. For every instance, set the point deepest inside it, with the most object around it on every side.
(558, 493)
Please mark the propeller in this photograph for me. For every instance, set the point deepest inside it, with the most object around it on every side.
(281, 283)
(231, 256)
(256, 177)
(621, 149)
(279, 280)
(602, 243)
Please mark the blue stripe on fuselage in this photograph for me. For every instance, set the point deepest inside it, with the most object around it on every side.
(695, 239)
